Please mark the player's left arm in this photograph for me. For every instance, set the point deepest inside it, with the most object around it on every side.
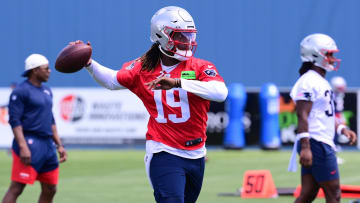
(342, 129)
(209, 90)
(59, 146)
(209, 86)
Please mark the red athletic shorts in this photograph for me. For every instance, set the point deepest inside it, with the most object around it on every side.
(27, 174)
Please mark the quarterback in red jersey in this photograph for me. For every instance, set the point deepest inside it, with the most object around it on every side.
(174, 113)
(176, 89)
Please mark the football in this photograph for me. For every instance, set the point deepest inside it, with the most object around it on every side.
(73, 58)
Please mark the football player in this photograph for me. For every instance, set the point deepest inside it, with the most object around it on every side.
(316, 120)
(176, 89)
(339, 86)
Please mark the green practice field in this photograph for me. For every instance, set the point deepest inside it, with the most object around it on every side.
(101, 176)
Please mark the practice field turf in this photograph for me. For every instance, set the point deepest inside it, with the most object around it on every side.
(101, 176)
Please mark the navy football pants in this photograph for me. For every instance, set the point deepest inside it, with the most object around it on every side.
(176, 179)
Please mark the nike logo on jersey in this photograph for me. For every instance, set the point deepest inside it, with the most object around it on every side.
(333, 172)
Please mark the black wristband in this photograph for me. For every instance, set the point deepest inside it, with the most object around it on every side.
(59, 145)
(177, 82)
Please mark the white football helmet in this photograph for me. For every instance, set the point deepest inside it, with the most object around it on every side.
(318, 49)
(338, 83)
(174, 29)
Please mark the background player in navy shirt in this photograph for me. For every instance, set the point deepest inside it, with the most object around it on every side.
(35, 136)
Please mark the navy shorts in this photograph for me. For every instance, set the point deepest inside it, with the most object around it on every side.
(44, 161)
(176, 179)
(324, 164)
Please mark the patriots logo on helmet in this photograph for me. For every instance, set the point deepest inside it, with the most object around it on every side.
(210, 72)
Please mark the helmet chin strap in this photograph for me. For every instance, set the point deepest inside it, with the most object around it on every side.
(177, 54)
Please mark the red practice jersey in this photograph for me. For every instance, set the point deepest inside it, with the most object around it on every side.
(176, 116)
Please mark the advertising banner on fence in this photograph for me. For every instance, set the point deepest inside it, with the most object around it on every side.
(288, 118)
(100, 116)
(88, 116)
(6, 135)
(96, 115)
(218, 119)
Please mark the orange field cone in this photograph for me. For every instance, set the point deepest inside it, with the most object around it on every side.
(258, 184)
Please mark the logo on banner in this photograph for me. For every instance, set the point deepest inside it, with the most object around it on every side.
(4, 117)
(72, 108)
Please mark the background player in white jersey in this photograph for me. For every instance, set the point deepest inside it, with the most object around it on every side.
(339, 86)
(176, 89)
(316, 119)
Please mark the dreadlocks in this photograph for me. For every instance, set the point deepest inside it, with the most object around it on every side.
(151, 58)
(305, 67)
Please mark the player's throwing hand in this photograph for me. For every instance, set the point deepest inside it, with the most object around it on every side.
(164, 83)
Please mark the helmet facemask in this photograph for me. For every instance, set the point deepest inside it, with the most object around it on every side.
(329, 62)
(181, 43)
